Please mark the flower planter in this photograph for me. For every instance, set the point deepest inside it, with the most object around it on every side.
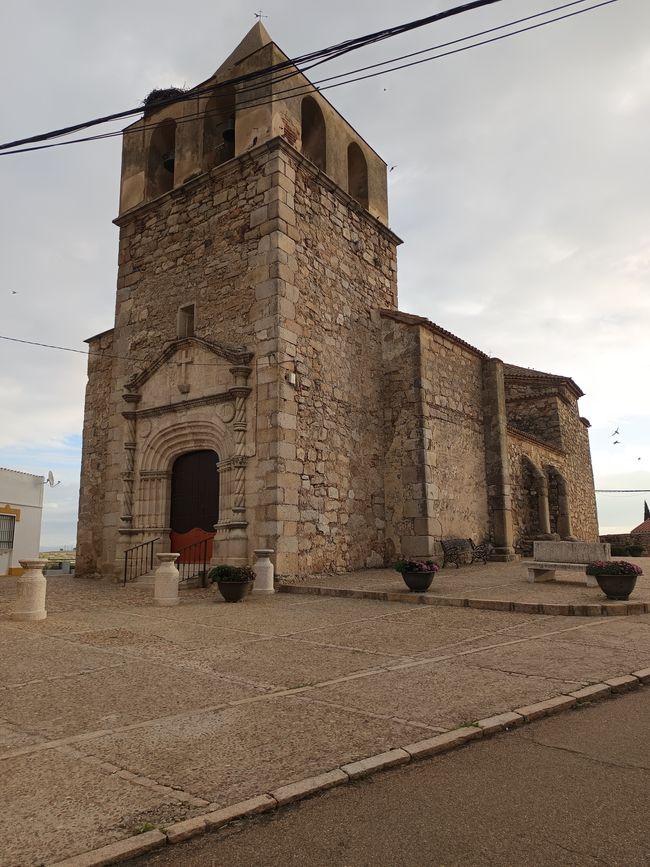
(617, 587)
(235, 591)
(418, 582)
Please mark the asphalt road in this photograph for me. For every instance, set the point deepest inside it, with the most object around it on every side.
(569, 790)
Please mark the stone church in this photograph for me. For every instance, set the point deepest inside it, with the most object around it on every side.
(260, 387)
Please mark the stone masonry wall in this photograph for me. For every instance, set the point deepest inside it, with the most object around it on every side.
(206, 243)
(579, 472)
(534, 411)
(339, 270)
(408, 529)
(98, 427)
(574, 464)
(455, 457)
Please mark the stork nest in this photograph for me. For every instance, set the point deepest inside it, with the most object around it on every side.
(161, 95)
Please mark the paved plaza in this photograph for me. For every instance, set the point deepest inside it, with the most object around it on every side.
(118, 716)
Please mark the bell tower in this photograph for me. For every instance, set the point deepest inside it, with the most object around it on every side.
(254, 258)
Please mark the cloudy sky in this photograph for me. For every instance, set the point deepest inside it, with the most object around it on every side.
(521, 188)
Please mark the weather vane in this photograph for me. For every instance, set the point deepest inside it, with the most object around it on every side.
(259, 15)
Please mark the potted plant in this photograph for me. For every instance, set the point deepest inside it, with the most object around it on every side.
(616, 578)
(417, 574)
(234, 582)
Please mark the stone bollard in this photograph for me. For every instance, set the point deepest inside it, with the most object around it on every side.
(165, 590)
(31, 587)
(263, 569)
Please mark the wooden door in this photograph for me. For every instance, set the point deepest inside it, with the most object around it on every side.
(194, 501)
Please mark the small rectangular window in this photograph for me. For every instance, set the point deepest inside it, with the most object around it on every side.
(7, 527)
(185, 324)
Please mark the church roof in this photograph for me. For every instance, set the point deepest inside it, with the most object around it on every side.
(412, 319)
(642, 528)
(515, 372)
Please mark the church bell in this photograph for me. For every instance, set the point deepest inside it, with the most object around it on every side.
(229, 131)
(168, 162)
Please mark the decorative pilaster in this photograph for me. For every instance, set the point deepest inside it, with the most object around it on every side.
(128, 476)
(496, 459)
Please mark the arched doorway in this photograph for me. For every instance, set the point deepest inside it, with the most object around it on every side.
(194, 501)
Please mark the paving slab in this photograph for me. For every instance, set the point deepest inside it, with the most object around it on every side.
(67, 807)
(236, 753)
(445, 694)
(115, 697)
(283, 662)
(560, 658)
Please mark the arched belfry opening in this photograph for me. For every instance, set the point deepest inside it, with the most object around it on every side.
(357, 174)
(219, 128)
(161, 159)
(313, 133)
(194, 506)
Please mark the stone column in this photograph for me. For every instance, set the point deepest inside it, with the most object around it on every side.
(31, 587)
(166, 580)
(263, 569)
(496, 459)
(544, 515)
(564, 527)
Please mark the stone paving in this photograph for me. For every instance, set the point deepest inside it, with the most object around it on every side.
(495, 581)
(116, 715)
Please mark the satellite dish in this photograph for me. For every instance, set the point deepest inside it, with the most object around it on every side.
(50, 480)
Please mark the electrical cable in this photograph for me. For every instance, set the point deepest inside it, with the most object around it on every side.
(311, 87)
(126, 357)
(331, 51)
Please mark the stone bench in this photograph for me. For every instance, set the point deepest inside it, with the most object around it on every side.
(548, 557)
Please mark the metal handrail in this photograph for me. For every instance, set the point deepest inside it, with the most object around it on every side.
(138, 560)
(193, 561)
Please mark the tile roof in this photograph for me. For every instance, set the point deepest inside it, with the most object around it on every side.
(642, 528)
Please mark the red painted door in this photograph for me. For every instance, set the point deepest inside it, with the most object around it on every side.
(194, 502)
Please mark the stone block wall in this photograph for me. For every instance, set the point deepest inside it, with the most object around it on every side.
(340, 269)
(99, 426)
(575, 466)
(452, 383)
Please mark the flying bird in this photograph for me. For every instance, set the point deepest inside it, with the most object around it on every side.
(391, 168)
(616, 442)
(616, 433)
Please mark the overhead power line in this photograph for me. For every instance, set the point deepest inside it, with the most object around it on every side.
(330, 52)
(622, 491)
(125, 357)
(309, 87)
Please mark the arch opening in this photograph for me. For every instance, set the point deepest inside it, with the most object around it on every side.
(161, 159)
(313, 132)
(357, 174)
(219, 129)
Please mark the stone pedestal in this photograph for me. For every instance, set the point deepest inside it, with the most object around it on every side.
(31, 587)
(263, 569)
(166, 580)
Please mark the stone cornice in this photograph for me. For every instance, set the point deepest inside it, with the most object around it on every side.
(526, 437)
(232, 166)
(184, 405)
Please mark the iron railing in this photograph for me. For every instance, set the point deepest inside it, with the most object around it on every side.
(193, 561)
(139, 560)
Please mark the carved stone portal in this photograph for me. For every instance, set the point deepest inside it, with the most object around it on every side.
(182, 409)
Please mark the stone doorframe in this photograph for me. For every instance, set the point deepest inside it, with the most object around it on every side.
(155, 437)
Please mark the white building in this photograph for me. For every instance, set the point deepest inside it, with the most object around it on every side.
(21, 510)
